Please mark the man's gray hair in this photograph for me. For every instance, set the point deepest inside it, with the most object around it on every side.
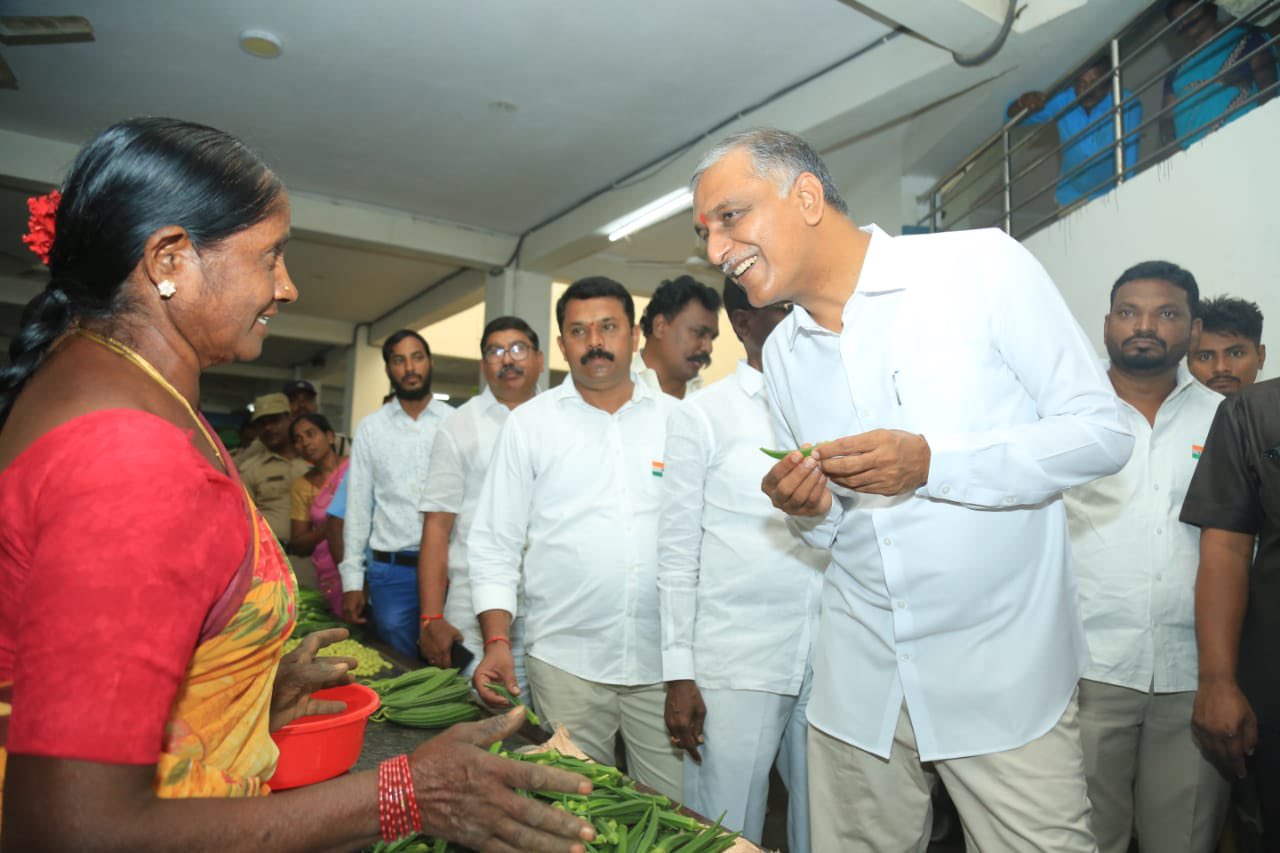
(776, 155)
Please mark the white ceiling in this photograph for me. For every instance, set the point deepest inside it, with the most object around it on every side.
(387, 101)
(380, 112)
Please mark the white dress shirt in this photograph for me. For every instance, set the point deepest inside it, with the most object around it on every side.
(459, 460)
(958, 597)
(738, 592)
(1135, 561)
(384, 484)
(580, 487)
(646, 374)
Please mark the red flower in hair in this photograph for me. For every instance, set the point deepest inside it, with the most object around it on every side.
(39, 236)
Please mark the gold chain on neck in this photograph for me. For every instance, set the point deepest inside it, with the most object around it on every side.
(148, 368)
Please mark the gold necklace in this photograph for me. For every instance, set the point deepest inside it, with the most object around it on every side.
(148, 368)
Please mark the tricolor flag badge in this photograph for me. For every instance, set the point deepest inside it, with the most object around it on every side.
(1196, 450)
(657, 468)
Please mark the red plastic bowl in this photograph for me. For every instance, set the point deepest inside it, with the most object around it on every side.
(319, 747)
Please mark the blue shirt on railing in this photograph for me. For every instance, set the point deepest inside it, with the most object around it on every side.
(1216, 84)
(1088, 138)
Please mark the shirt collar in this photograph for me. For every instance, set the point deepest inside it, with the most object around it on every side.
(1182, 382)
(568, 390)
(751, 380)
(873, 278)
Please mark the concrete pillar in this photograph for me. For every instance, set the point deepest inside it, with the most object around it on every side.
(526, 295)
(366, 380)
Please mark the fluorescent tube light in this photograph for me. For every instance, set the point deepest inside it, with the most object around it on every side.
(655, 211)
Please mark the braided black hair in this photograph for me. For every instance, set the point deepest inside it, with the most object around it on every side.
(132, 179)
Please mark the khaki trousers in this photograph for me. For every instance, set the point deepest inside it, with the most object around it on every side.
(594, 713)
(1027, 799)
(1145, 772)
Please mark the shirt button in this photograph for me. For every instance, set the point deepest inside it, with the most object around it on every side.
(904, 657)
(1008, 501)
(902, 605)
(888, 541)
(1159, 531)
(864, 414)
(946, 490)
(1159, 577)
(1155, 486)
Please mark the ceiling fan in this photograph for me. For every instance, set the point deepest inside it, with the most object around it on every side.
(39, 29)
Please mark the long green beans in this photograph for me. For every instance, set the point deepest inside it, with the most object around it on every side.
(626, 820)
(427, 698)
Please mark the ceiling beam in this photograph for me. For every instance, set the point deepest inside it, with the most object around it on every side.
(320, 330)
(453, 293)
(35, 159)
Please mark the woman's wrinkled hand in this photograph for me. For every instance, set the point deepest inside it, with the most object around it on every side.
(301, 673)
(467, 795)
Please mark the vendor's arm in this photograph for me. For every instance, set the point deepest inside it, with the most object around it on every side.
(495, 550)
(465, 794)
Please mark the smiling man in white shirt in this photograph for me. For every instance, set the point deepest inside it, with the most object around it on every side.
(512, 363)
(1136, 565)
(570, 507)
(739, 599)
(957, 399)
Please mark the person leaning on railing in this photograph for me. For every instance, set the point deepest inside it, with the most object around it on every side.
(1086, 130)
(1228, 72)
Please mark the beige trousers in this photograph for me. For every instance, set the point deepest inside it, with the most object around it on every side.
(594, 712)
(1027, 799)
(1145, 772)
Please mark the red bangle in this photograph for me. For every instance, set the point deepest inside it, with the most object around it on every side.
(398, 813)
(428, 619)
(498, 640)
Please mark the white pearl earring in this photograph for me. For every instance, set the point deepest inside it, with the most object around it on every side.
(166, 289)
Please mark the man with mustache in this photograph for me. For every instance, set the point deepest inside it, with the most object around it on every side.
(955, 399)
(569, 509)
(512, 363)
(1135, 565)
(680, 324)
(383, 487)
(1229, 353)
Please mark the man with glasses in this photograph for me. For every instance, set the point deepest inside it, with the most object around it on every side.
(460, 456)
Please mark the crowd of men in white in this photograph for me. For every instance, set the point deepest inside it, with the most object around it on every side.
(979, 573)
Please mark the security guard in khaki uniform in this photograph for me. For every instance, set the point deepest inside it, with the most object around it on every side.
(270, 465)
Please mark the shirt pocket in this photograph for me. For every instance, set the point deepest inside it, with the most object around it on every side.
(952, 389)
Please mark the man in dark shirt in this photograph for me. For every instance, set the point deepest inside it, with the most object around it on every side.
(1234, 498)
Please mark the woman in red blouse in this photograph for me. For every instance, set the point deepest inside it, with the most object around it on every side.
(143, 602)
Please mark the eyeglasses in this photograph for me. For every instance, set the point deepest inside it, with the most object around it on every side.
(518, 352)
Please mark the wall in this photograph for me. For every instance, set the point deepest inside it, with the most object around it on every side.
(1211, 209)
